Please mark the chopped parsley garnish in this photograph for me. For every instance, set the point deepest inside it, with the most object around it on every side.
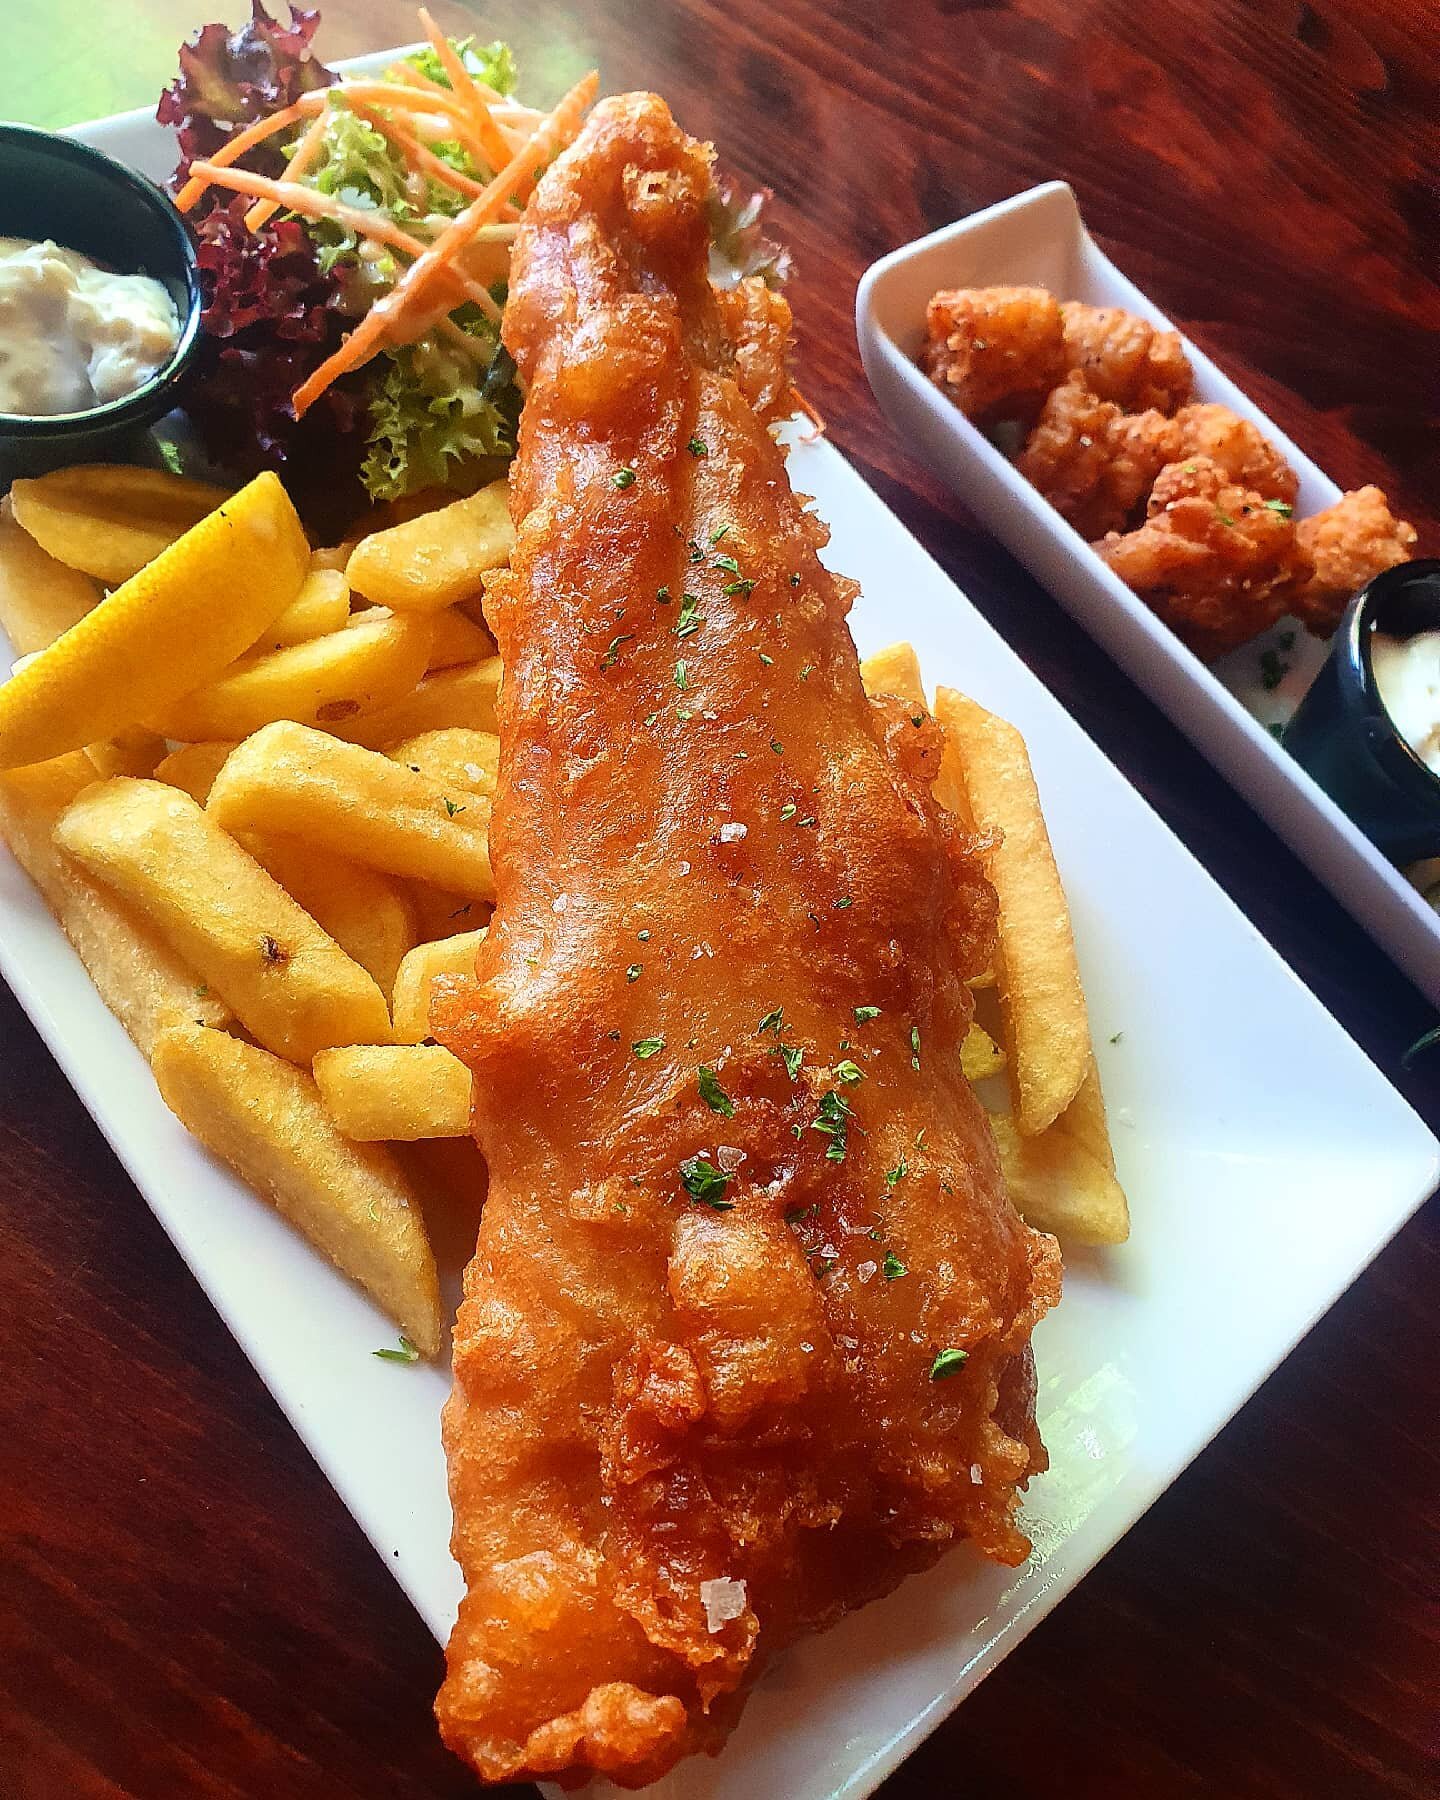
(713, 1094)
(1272, 670)
(682, 675)
(840, 905)
(849, 1073)
(1223, 516)
(691, 618)
(767, 660)
(794, 581)
(645, 1048)
(788, 810)
(1423, 1043)
(451, 808)
(720, 532)
(697, 555)
(623, 478)
(792, 1056)
(772, 1021)
(1116, 1037)
(820, 1266)
(863, 1014)
(832, 1121)
(728, 563)
(407, 1353)
(634, 972)
(742, 587)
(807, 671)
(892, 1267)
(612, 649)
(1283, 507)
(702, 1181)
(914, 1046)
(893, 1177)
(777, 746)
(698, 447)
(664, 596)
(948, 1362)
(644, 936)
(1276, 730)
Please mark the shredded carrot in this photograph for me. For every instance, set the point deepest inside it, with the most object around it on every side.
(385, 318)
(815, 418)
(296, 197)
(236, 147)
(306, 152)
(497, 151)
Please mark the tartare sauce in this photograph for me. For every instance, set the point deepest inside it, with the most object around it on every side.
(1407, 673)
(74, 335)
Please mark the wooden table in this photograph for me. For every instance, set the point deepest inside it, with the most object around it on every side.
(185, 1607)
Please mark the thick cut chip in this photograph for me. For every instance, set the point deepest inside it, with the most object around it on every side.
(457, 757)
(288, 982)
(357, 804)
(369, 915)
(369, 664)
(135, 972)
(1064, 1180)
(395, 1092)
(176, 624)
(266, 1119)
(1044, 1021)
(437, 559)
(464, 696)
(110, 519)
(457, 640)
(415, 983)
(193, 768)
(131, 751)
(322, 605)
(39, 597)
(980, 1056)
(894, 670)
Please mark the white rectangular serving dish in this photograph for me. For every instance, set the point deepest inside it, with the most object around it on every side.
(1039, 238)
(1266, 1158)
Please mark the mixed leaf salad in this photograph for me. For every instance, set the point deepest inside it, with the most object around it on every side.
(353, 239)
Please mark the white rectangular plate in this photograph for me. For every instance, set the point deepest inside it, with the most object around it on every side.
(1038, 238)
(1266, 1158)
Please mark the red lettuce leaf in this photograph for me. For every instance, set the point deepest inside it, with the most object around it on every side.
(269, 319)
(228, 80)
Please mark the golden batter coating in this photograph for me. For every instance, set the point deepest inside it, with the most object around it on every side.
(1247, 457)
(995, 351)
(1093, 463)
(1215, 561)
(1350, 543)
(1125, 359)
(740, 1195)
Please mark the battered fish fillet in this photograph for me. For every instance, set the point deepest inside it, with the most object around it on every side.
(740, 1197)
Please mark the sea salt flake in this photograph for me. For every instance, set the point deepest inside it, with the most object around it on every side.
(977, 1474)
(729, 1158)
(733, 832)
(723, 1600)
(863, 1271)
(559, 903)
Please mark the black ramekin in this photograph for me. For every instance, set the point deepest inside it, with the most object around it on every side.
(53, 187)
(1343, 736)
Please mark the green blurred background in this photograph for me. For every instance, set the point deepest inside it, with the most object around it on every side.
(67, 60)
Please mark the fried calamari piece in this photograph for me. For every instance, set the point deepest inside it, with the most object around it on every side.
(1215, 561)
(1247, 457)
(1350, 543)
(1093, 463)
(995, 351)
(1124, 358)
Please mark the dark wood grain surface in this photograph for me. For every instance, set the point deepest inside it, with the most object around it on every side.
(185, 1607)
